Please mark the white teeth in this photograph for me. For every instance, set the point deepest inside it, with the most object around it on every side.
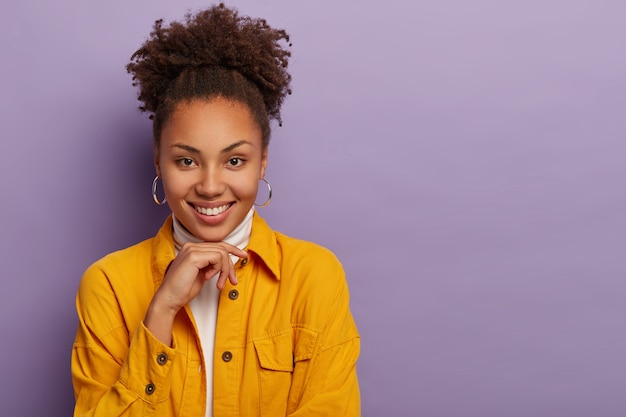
(211, 211)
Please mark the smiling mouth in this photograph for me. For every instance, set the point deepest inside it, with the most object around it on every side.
(212, 211)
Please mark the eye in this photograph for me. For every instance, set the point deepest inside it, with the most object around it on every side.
(186, 162)
(235, 162)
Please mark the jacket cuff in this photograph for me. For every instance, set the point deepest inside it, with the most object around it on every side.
(148, 367)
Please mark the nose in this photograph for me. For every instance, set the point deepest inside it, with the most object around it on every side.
(210, 183)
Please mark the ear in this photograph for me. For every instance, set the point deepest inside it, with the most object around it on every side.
(157, 155)
(263, 163)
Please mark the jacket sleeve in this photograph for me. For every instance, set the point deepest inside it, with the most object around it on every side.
(329, 378)
(115, 372)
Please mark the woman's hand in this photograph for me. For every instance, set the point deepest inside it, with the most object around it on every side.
(195, 264)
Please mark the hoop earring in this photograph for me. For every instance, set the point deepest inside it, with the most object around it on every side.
(269, 197)
(154, 192)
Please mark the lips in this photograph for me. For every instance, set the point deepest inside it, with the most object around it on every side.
(212, 211)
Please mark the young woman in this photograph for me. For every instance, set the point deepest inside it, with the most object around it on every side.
(216, 315)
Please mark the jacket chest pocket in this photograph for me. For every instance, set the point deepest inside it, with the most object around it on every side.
(275, 355)
(281, 370)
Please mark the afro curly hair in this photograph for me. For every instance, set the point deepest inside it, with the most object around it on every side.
(213, 53)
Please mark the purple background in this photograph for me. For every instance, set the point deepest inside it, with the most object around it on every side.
(464, 159)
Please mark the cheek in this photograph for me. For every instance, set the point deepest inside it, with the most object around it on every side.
(175, 185)
(247, 186)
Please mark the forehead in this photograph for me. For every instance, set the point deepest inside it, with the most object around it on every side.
(218, 122)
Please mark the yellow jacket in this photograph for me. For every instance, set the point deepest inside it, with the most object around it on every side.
(286, 343)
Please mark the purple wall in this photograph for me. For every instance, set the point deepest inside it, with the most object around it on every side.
(465, 160)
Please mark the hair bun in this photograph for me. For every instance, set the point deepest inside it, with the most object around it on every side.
(215, 37)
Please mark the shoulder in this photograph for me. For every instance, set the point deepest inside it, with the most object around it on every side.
(116, 288)
(291, 255)
(120, 258)
(316, 281)
(134, 259)
(310, 269)
(117, 269)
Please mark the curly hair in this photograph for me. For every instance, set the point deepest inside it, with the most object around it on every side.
(214, 53)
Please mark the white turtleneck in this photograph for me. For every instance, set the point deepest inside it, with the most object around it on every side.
(204, 305)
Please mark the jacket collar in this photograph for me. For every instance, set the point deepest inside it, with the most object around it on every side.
(262, 243)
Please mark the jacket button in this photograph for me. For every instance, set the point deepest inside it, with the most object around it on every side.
(150, 389)
(244, 262)
(233, 294)
(162, 359)
(227, 356)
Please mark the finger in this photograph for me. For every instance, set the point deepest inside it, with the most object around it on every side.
(219, 266)
(227, 273)
(232, 277)
(213, 246)
(214, 258)
(221, 281)
(233, 250)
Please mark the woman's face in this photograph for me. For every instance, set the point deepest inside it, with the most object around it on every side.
(210, 159)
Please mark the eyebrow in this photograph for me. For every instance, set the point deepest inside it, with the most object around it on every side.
(235, 145)
(227, 149)
(187, 148)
